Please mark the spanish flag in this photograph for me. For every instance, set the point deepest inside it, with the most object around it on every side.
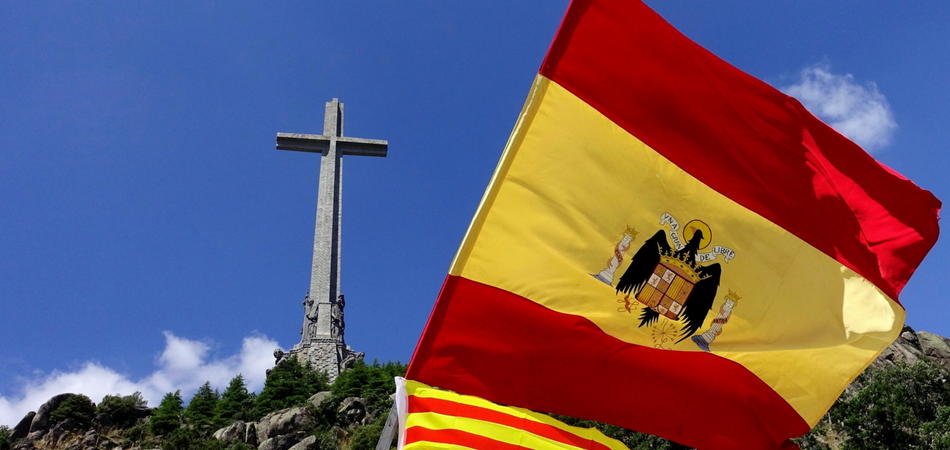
(435, 419)
(673, 246)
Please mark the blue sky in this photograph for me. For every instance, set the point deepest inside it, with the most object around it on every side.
(152, 238)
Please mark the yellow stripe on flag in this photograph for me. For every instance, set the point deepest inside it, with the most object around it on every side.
(506, 425)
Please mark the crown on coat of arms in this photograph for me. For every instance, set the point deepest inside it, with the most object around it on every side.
(689, 267)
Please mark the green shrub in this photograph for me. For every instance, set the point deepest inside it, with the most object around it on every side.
(76, 407)
(5, 441)
(120, 408)
(134, 435)
(326, 440)
(366, 437)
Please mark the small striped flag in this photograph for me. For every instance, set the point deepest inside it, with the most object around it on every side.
(435, 419)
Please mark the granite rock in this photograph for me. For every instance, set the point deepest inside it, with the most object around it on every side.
(282, 441)
(283, 422)
(41, 419)
(23, 427)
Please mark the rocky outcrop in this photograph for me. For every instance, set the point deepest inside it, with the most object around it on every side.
(353, 410)
(250, 434)
(237, 431)
(316, 399)
(60, 432)
(41, 419)
(23, 427)
(283, 441)
(283, 422)
(911, 345)
(281, 430)
(308, 443)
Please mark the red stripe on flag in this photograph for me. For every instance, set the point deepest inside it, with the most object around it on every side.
(456, 409)
(457, 437)
(490, 343)
(744, 139)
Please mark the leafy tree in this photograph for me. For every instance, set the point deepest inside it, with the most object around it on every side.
(894, 408)
(121, 408)
(287, 385)
(5, 441)
(201, 408)
(167, 417)
(76, 407)
(937, 433)
(236, 403)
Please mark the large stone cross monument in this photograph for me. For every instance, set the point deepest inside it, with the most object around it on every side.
(321, 338)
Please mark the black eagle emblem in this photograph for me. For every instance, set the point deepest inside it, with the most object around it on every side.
(653, 279)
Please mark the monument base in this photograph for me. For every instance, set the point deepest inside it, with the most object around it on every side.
(324, 355)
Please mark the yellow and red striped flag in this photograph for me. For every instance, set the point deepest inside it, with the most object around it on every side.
(435, 419)
(673, 246)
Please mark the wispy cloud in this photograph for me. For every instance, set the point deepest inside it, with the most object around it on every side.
(857, 111)
(184, 364)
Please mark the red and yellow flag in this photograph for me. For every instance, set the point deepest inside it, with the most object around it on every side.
(435, 419)
(673, 246)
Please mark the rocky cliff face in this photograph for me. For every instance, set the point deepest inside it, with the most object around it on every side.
(911, 345)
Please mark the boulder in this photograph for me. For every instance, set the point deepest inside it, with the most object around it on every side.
(936, 347)
(142, 412)
(905, 348)
(316, 399)
(35, 436)
(308, 443)
(283, 422)
(41, 420)
(283, 441)
(23, 427)
(353, 410)
(102, 420)
(237, 431)
(250, 434)
(60, 431)
(90, 439)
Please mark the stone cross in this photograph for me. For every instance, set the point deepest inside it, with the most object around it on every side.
(325, 271)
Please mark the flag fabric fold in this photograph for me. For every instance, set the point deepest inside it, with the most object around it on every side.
(673, 246)
(435, 419)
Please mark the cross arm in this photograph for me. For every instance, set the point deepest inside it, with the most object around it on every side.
(362, 147)
(318, 143)
(314, 143)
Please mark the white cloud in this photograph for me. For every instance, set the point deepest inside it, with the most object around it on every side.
(184, 364)
(859, 112)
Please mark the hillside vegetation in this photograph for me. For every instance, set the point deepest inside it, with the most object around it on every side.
(901, 402)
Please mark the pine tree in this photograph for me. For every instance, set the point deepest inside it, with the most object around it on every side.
(167, 416)
(201, 408)
(236, 403)
(287, 385)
